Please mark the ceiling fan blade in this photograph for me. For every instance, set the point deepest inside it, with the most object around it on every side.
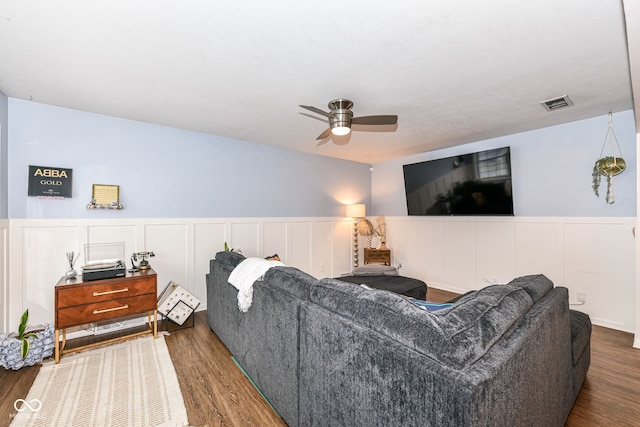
(316, 110)
(375, 120)
(324, 134)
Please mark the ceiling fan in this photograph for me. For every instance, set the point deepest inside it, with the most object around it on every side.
(341, 118)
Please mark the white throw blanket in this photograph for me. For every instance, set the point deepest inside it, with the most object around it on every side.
(243, 276)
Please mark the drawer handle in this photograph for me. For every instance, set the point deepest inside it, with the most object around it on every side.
(97, 294)
(123, 307)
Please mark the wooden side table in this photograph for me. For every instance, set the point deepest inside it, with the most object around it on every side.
(79, 302)
(377, 256)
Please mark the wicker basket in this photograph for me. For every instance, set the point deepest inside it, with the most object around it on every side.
(40, 348)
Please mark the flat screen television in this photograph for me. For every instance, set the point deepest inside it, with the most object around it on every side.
(470, 184)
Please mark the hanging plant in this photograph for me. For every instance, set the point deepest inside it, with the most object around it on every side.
(596, 177)
(609, 165)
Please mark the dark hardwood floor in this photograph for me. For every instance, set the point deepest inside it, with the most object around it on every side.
(216, 393)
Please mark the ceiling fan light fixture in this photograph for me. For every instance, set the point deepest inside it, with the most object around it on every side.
(340, 130)
(341, 118)
(340, 122)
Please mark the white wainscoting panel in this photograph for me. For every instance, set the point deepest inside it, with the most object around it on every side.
(341, 261)
(183, 249)
(208, 239)
(299, 243)
(591, 255)
(169, 243)
(410, 253)
(636, 338)
(536, 249)
(44, 262)
(274, 239)
(495, 246)
(4, 274)
(460, 250)
(321, 252)
(245, 236)
(599, 262)
(127, 234)
(430, 239)
(595, 256)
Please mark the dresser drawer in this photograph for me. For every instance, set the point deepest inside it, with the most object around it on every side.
(89, 313)
(89, 294)
(377, 256)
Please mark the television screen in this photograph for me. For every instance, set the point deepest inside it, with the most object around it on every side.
(471, 184)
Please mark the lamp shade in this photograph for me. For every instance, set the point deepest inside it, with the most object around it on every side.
(356, 210)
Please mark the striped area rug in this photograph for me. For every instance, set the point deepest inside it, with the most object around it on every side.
(132, 383)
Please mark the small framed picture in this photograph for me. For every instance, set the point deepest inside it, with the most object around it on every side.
(106, 194)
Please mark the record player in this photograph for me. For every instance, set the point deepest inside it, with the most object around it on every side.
(103, 261)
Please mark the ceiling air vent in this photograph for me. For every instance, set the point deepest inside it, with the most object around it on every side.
(556, 103)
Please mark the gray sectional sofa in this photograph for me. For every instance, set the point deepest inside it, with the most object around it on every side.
(332, 353)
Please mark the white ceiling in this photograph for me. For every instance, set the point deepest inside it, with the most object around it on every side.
(453, 71)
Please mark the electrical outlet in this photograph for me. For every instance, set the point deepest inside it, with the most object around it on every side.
(582, 297)
(321, 268)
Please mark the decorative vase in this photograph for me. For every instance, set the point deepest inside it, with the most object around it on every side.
(71, 273)
(40, 347)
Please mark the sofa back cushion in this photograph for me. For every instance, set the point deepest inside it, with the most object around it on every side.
(229, 259)
(290, 280)
(536, 285)
(455, 336)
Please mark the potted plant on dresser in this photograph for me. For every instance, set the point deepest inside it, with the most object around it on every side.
(28, 346)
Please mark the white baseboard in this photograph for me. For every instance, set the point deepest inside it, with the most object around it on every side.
(607, 323)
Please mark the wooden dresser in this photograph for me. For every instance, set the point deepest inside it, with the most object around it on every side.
(78, 303)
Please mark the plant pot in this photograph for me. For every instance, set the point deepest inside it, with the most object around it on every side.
(610, 166)
(41, 347)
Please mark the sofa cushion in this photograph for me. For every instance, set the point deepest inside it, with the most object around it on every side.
(455, 336)
(229, 258)
(536, 285)
(290, 280)
(431, 306)
(375, 270)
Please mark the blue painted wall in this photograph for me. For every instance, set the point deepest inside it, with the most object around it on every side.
(551, 170)
(166, 172)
